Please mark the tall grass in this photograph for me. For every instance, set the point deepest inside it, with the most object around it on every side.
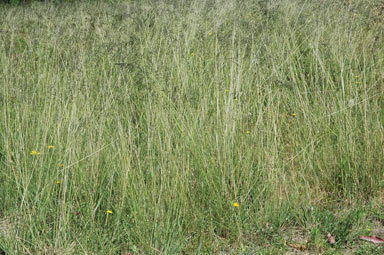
(167, 114)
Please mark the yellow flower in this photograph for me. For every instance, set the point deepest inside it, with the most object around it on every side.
(209, 33)
(109, 212)
(293, 114)
(61, 165)
(235, 204)
(192, 54)
(33, 153)
(58, 182)
(51, 147)
(247, 132)
(369, 229)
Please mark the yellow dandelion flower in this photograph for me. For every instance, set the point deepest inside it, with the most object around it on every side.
(235, 204)
(293, 114)
(51, 147)
(58, 182)
(109, 212)
(33, 153)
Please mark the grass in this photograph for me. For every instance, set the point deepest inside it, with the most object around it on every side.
(161, 116)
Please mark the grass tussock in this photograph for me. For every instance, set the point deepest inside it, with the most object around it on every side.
(136, 127)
